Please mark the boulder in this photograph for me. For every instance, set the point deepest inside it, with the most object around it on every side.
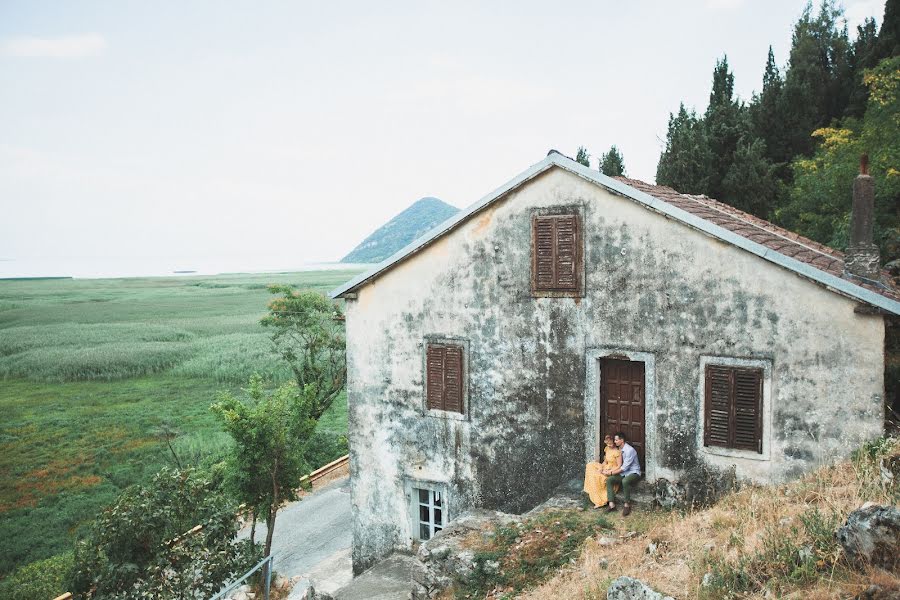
(668, 494)
(444, 559)
(871, 536)
(629, 588)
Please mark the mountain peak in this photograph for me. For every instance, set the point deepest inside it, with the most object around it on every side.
(419, 217)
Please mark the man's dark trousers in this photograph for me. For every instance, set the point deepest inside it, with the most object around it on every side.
(626, 483)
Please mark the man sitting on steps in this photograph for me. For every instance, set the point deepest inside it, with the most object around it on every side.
(627, 475)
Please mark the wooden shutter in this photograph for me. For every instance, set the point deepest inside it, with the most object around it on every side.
(434, 392)
(747, 410)
(556, 249)
(453, 379)
(566, 252)
(544, 242)
(445, 383)
(733, 411)
(718, 406)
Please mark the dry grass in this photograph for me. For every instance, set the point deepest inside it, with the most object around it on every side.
(741, 533)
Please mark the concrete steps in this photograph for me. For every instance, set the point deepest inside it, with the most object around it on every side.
(390, 579)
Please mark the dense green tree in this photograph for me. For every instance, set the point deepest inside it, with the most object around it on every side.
(863, 56)
(308, 333)
(138, 548)
(612, 163)
(751, 183)
(582, 157)
(271, 431)
(821, 196)
(766, 121)
(684, 164)
(818, 81)
(888, 44)
(725, 125)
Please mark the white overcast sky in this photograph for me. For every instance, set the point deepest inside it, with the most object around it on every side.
(293, 129)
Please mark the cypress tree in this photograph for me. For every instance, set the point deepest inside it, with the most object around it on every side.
(766, 121)
(612, 163)
(583, 157)
(725, 124)
(684, 164)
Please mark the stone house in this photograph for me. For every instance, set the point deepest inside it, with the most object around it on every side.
(487, 359)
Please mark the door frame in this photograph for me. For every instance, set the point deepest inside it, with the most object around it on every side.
(592, 403)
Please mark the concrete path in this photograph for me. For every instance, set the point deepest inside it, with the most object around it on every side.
(312, 537)
(390, 579)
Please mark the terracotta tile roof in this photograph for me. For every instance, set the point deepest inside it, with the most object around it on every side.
(762, 232)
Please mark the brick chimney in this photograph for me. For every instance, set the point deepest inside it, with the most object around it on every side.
(862, 259)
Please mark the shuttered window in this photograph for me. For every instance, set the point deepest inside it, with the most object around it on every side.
(444, 377)
(733, 414)
(556, 250)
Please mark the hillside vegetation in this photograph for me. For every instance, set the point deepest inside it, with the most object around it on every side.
(93, 372)
(757, 542)
(401, 230)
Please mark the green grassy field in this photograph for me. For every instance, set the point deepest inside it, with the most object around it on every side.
(89, 369)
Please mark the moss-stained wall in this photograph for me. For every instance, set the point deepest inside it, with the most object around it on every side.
(653, 288)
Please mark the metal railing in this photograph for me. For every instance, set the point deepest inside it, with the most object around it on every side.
(267, 562)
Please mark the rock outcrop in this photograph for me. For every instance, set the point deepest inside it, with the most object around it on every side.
(871, 536)
(629, 588)
(445, 557)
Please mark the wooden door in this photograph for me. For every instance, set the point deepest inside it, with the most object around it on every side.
(622, 402)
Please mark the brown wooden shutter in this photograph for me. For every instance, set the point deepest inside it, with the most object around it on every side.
(445, 383)
(557, 252)
(718, 406)
(453, 379)
(434, 368)
(747, 422)
(566, 253)
(733, 408)
(544, 242)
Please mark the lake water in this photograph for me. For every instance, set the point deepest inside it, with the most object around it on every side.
(106, 267)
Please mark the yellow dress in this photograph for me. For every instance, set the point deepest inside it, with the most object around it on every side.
(595, 481)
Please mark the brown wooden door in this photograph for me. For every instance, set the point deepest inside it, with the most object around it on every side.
(622, 402)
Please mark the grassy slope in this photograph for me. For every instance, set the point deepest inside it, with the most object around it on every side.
(88, 368)
(754, 543)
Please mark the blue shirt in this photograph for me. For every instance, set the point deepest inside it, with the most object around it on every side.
(630, 463)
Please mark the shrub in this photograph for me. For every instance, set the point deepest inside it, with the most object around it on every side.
(39, 580)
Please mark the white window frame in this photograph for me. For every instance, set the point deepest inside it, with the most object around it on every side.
(435, 490)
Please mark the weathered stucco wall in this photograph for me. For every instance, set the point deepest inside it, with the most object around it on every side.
(656, 290)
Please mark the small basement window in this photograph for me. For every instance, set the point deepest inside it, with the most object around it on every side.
(444, 377)
(430, 512)
(733, 408)
(556, 264)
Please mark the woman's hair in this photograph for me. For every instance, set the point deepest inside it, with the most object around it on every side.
(607, 437)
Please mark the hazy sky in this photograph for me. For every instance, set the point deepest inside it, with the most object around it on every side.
(262, 129)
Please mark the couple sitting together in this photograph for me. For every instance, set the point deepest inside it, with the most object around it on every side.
(620, 467)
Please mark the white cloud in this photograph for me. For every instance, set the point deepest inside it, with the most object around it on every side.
(69, 46)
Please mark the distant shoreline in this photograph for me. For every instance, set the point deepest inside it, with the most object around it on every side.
(50, 269)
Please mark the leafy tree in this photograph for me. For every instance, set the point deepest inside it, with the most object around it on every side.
(821, 196)
(271, 431)
(684, 164)
(308, 334)
(137, 548)
(612, 163)
(582, 157)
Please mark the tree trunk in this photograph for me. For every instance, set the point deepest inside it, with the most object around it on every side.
(253, 527)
